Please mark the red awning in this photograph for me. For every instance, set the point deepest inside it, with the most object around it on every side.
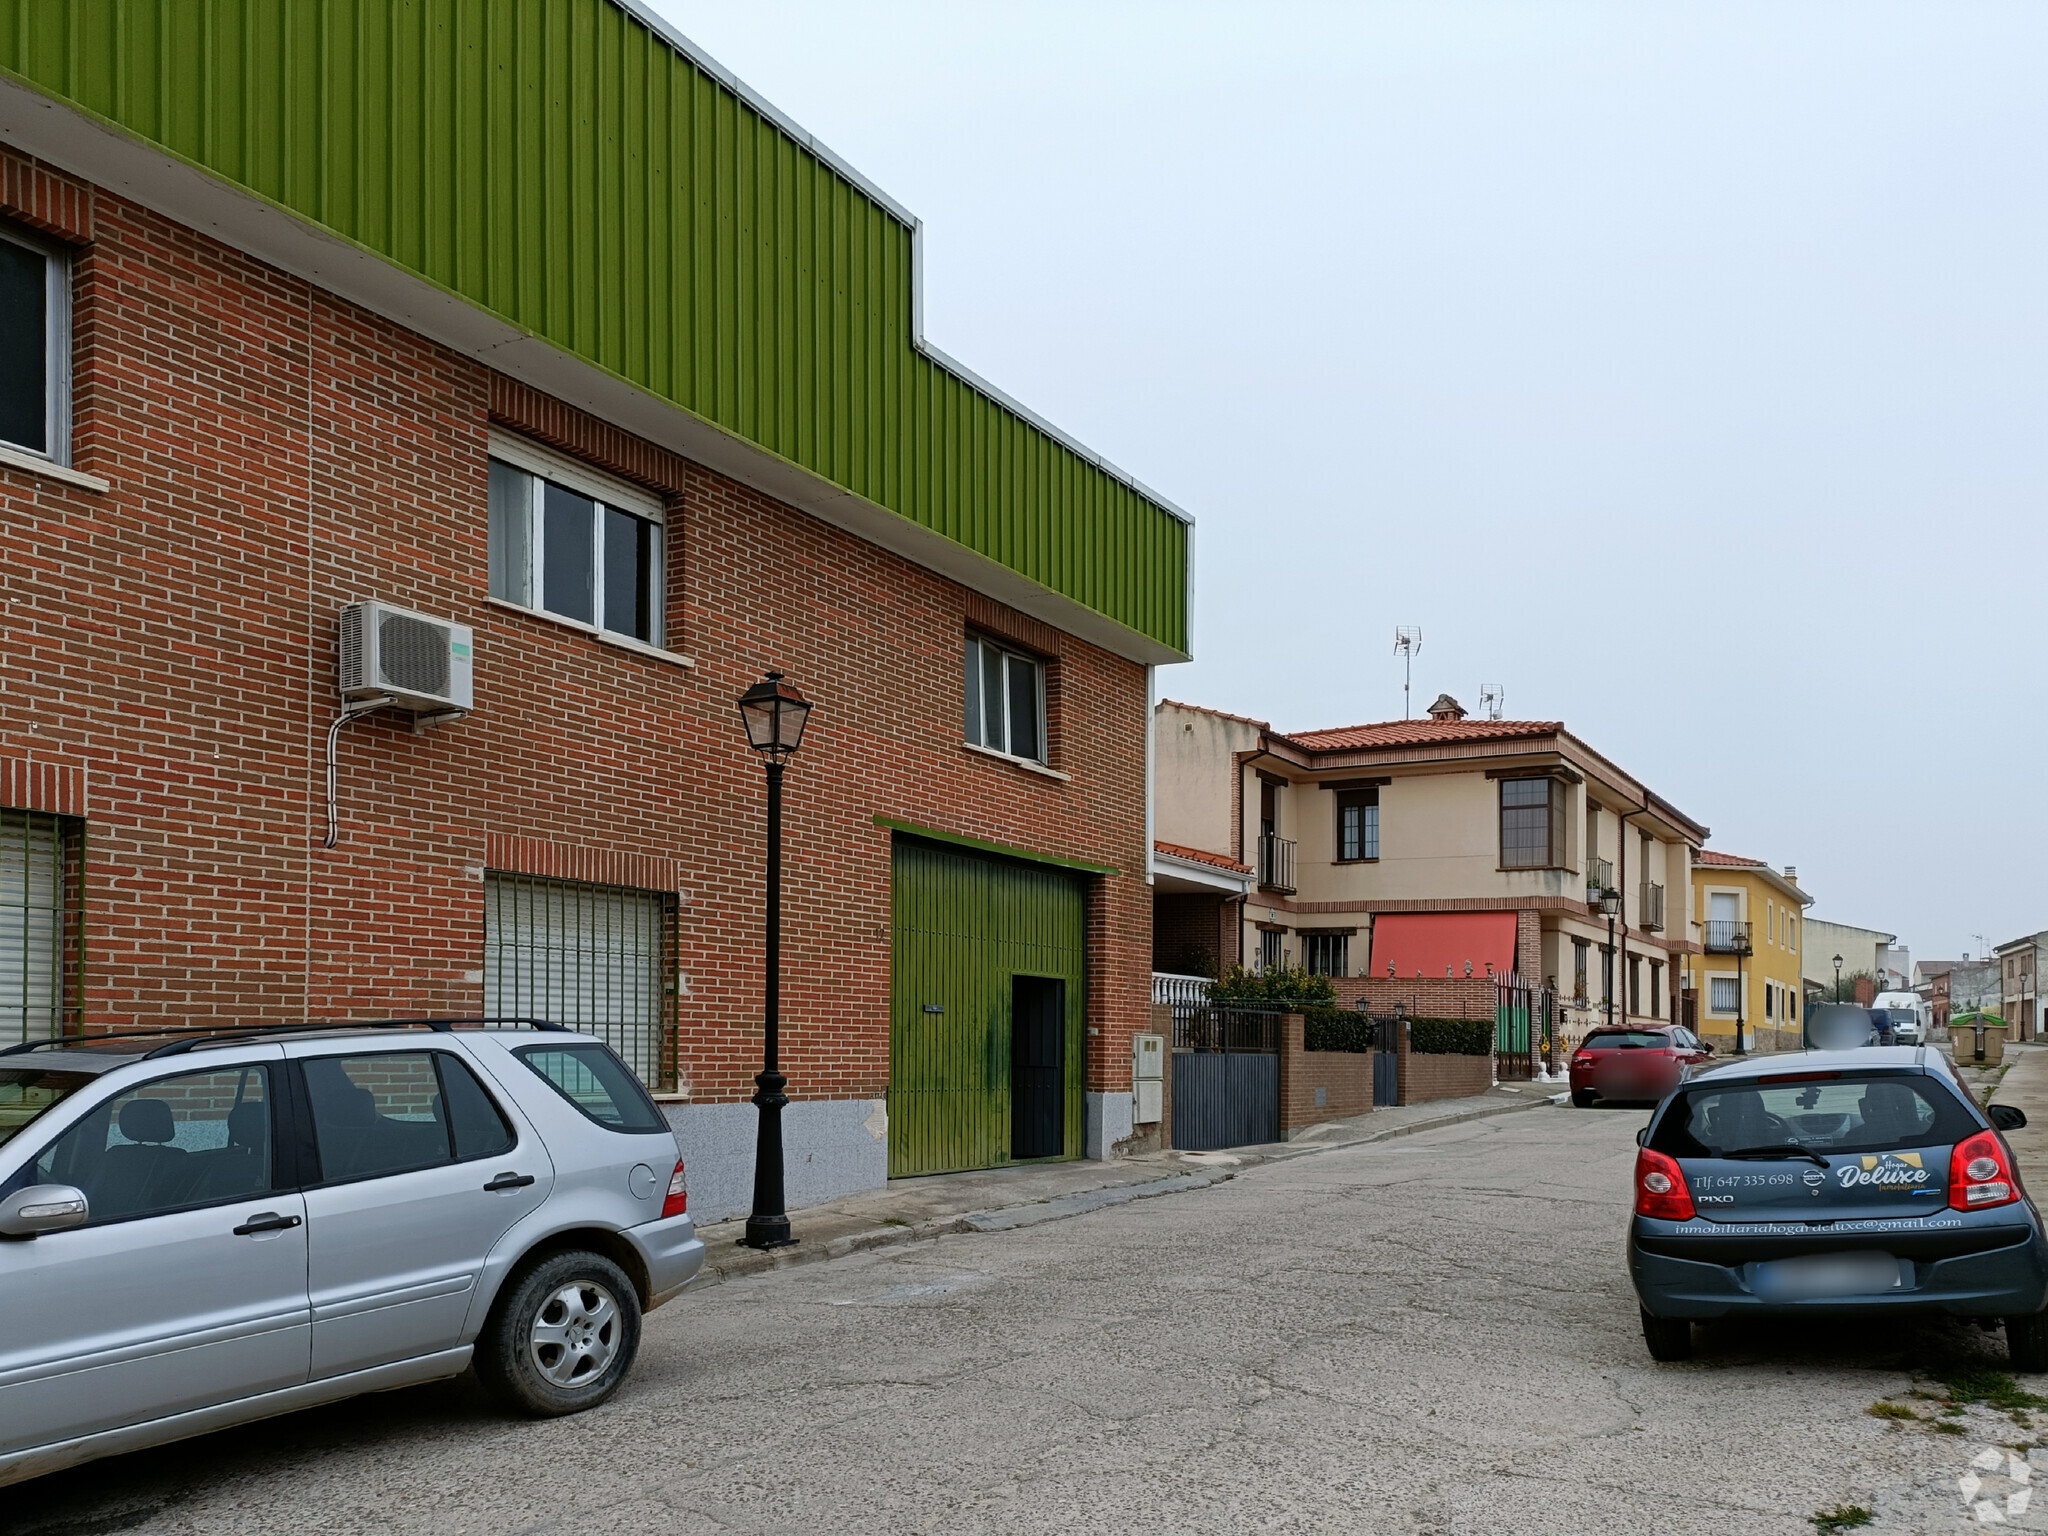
(1423, 943)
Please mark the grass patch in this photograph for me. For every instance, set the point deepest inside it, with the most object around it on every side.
(894, 1221)
(1890, 1411)
(1947, 1429)
(1843, 1517)
(1994, 1389)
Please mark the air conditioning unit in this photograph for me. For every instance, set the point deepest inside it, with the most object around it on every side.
(418, 663)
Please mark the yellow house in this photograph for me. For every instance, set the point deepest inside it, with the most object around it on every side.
(1752, 923)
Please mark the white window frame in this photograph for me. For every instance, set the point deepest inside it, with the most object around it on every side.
(1715, 979)
(618, 495)
(56, 349)
(976, 643)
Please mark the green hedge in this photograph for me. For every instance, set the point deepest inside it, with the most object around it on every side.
(1336, 1029)
(1450, 1037)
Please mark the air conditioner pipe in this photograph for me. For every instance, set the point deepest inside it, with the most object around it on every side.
(350, 709)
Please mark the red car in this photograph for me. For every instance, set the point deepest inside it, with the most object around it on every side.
(1642, 1062)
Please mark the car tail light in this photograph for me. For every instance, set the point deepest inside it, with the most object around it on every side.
(1980, 1174)
(1661, 1189)
(678, 1201)
(1583, 1056)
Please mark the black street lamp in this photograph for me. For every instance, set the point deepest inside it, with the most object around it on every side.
(774, 714)
(1838, 978)
(1610, 903)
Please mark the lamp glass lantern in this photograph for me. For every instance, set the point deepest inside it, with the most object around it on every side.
(774, 714)
(1610, 903)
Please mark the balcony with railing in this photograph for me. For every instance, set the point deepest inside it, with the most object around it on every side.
(1599, 873)
(1650, 907)
(1726, 936)
(1276, 864)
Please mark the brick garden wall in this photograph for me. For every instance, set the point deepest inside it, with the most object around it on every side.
(1425, 1078)
(1343, 1078)
(274, 453)
(1426, 997)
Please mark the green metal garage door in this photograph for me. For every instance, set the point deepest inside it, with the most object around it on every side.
(975, 939)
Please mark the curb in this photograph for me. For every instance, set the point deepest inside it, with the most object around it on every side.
(746, 1263)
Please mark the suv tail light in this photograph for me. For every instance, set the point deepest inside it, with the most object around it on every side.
(1980, 1174)
(678, 1201)
(1661, 1189)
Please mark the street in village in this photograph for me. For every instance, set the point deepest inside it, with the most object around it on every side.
(1430, 1334)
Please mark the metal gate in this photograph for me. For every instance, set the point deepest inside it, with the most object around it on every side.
(974, 941)
(1386, 1061)
(1514, 1052)
(1226, 1077)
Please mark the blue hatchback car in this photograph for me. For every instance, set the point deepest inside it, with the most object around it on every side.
(1855, 1181)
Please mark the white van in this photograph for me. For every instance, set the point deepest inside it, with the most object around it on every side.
(1911, 1016)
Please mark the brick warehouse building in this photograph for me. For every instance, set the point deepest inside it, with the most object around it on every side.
(315, 335)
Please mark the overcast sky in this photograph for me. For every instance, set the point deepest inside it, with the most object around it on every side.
(1683, 369)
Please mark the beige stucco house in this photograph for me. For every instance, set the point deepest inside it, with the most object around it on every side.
(1419, 849)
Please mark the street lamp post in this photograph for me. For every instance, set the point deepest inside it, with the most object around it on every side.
(1610, 904)
(774, 714)
(1838, 978)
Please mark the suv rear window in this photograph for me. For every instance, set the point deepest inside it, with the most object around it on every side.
(1851, 1113)
(1617, 1039)
(597, 1083)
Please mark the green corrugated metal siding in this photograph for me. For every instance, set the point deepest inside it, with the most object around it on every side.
(962, 927)
(559, 164)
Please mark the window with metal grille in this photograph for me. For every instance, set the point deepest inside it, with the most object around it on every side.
(1721, 995)
(1272, 949)
(597, 958)
(40, 932)
(1326, 954)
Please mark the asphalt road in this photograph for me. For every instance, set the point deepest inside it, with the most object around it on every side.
(1428, 1335)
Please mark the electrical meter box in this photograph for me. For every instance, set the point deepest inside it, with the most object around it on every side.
(1149, 1077)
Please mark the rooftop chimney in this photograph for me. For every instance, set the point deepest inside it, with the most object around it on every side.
(1446, 708)
(1792, 873)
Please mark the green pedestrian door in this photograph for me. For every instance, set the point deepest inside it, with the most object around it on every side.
(987, 1018)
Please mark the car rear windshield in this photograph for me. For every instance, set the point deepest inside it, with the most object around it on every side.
(1617, 1039)
(25, 1092)
(596, 1082)
(1850, 1113)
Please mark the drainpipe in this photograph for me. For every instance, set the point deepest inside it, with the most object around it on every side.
(1151, 730)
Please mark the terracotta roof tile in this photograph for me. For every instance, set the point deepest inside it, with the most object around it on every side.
(1199, 856)
(1722, 860)
(1420, 733)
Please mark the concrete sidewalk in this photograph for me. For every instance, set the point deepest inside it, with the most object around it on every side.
(1004, 1199)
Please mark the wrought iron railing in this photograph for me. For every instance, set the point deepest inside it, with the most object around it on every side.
(1599, 872)
(1650, 907)
(1226, 1029)
(1726, 936)
(1276, 863)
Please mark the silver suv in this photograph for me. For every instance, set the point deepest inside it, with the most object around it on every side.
(201, 1228)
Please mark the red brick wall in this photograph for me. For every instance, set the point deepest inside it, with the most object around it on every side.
(274, 453)
(1425, 1078)
(1188, 933)
(1426, 997)
(1344, 1078)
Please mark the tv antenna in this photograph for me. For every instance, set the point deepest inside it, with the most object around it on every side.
(1491, 697)
(1407, 641)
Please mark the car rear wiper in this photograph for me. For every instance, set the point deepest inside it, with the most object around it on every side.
(1783, 1149)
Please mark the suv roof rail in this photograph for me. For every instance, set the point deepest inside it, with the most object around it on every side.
(191, 1037)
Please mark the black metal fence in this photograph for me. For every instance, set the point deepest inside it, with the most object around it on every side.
(1203, 1027)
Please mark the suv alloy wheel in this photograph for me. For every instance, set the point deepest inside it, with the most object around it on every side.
(563, 1337)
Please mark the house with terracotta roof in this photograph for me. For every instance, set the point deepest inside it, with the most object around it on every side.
(1420, 850)
(1753, 937)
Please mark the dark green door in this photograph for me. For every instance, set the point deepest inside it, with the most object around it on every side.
(965, 927)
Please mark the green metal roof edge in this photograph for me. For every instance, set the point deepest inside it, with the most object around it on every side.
(983, 845)
(1167, 635)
